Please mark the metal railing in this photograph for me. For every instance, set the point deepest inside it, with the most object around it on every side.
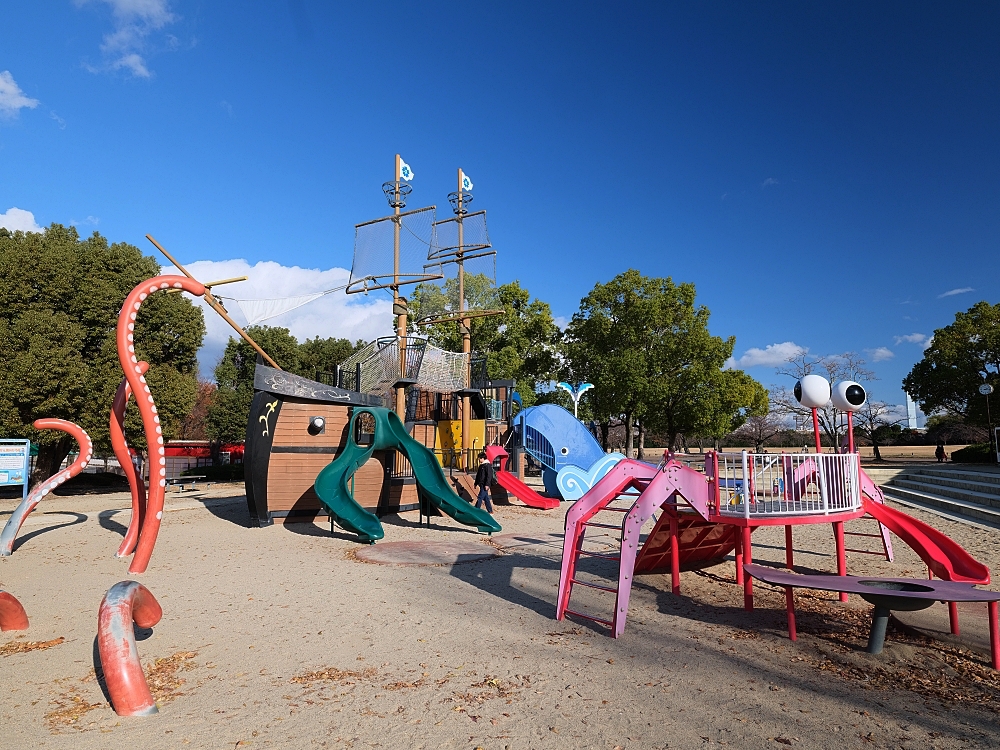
(790, 484)
(538, 446)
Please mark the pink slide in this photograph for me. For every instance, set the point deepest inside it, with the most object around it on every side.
(945, 558)
(515, 486)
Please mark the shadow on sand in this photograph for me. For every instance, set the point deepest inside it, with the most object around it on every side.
(77, 518)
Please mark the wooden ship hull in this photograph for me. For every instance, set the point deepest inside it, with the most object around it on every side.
(284, 454)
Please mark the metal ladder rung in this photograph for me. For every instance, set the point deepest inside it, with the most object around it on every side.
(858, 533)
(616, 510)
(593, 585)
(601, 555)
(863, 551)
(602, 525)
(606, 623)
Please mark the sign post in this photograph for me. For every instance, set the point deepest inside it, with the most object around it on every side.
(14, 467)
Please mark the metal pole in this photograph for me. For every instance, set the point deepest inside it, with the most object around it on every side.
(989, 421)
(819, 448)
(850, 431)
(466, 333)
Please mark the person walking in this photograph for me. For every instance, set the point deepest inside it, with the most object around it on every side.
(485, 476)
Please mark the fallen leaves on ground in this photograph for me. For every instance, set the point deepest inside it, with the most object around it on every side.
(332, 674)
(69, 707)
(162, 678)
(947, 673)
(21, 647)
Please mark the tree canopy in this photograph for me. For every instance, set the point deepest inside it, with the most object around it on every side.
(647, 349)
(58, 358)
(961, 357)
(521, 344)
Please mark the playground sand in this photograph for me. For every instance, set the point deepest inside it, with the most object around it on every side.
(281, 637)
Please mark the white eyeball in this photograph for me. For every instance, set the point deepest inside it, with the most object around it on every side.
(848, 395)
(813, 391)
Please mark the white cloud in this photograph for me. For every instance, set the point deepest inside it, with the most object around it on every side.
(769, 182)
(134, 21)
(773, 355)
(12, 99)
(352, 317)
(562, 321)
(953, 292)
(19, 220)
(913, 338)
(880, 354)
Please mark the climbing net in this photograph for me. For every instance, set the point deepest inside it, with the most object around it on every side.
(376, 367)
(442, 371)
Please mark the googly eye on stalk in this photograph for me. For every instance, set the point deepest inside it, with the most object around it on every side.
(812, 391)
(848, 395)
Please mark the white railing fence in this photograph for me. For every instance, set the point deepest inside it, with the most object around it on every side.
(764, 484)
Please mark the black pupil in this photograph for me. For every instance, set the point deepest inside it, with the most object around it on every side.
(855, 395)
(798, 391)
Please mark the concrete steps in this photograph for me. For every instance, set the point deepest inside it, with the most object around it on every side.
(961, 494)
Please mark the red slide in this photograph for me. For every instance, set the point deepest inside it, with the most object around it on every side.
(515, 486)
(945, 558)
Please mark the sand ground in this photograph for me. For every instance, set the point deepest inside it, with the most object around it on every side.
(281, 637)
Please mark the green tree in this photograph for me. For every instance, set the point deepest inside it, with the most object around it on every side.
(226, 420)
(58, 358)
(647, 349)
(961, 357)
(323, 355)
(521, 344)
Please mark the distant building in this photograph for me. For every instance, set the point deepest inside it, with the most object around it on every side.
(911, 413)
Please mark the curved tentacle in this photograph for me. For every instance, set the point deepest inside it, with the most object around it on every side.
(44, 488)
(125, 603)
(147, 408)
(12, 614)
(136, 486)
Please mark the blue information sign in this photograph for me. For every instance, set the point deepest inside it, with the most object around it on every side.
(14, 458)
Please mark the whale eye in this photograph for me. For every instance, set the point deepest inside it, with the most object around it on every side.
(564, 451)
(812, 391)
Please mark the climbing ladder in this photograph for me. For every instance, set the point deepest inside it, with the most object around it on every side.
(645, 489)
(612, 511)
(882, 536)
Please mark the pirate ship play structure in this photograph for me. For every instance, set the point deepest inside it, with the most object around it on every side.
(330, 446)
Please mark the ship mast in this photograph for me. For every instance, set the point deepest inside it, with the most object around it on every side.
(399, 308)
(463, 322)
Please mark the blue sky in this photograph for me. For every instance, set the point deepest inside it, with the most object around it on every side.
(827, 175)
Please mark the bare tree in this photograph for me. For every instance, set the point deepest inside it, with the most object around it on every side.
(837, 367)
(761, 429)
(869, 420)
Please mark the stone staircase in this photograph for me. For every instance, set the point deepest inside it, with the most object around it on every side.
(970, 494)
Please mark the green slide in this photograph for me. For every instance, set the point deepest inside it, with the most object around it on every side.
(333, 483)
